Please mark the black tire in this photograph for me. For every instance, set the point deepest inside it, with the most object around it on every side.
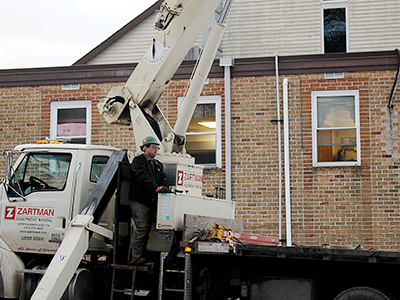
(363, 293)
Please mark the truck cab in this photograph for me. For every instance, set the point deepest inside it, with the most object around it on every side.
(48, 185)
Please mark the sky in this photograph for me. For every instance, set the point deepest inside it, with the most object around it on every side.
(52, 33)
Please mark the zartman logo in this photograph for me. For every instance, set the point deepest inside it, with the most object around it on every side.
(10, 213)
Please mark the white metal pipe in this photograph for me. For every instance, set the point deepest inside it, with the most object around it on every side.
(225, 11)
(278, 108)
(200, 76)
(287, 164)
(228, 146)
(227, 63)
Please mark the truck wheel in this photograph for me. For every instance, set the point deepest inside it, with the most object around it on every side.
(208, 287)
(31, 282)
(80, 287)
(363, 293)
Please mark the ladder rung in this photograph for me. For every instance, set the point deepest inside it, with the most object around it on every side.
(125, 291)
(175, 271)
(129, 292)
(145, 268)
(174, 290)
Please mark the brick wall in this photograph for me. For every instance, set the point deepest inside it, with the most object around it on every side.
(339, 206)
(20, 115)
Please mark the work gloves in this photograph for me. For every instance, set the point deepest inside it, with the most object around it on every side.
(163, 189)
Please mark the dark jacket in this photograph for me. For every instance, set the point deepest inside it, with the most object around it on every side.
(144, 183)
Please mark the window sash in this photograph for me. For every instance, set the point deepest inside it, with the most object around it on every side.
(339, 144)
(216, 100)
(336, 112)
(84, 131)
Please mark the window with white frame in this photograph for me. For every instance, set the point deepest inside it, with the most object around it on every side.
(334, 24)
(336, 128)
(203, 136)
(71, 121)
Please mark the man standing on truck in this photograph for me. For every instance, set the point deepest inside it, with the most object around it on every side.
(148, 179)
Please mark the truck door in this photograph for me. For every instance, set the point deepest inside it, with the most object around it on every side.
(36, 207)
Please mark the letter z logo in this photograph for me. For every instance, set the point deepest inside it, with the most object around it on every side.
(180, 178)
(10, 213)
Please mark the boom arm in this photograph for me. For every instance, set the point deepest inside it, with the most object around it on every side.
(180, 23)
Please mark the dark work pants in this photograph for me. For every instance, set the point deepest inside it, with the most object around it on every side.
(142, 216)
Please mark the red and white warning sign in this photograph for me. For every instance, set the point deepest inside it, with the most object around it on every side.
(184, 176)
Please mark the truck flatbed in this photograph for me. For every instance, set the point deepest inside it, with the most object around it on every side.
(302, 272)
(299, 252)
(320, 253)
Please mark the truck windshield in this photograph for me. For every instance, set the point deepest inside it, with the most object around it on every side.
(40, 171)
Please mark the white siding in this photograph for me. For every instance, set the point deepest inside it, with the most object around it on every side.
(258, 28)
(261, 28)
(374, 25)
(130, 47)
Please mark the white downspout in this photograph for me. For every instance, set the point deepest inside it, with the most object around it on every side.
(287, 165)
(278, 108)
(227, 63)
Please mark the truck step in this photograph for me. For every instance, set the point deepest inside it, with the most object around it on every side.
(172, 279)
(148, 268)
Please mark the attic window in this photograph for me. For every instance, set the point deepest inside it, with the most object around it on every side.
(335, 30)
